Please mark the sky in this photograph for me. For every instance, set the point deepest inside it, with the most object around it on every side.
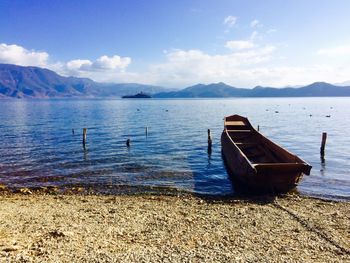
(180, 43)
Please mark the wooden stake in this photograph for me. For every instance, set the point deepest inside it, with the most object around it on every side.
(209, 138)
(146, 131)
(84, 136)
(73, 131)
(209, 150)
(128, 142)
(209, 142)
(323, 144)
(258, 127)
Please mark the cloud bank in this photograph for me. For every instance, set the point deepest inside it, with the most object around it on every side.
(101, 64)
(239, 44)
(335, 51)
(241, 62)
(104, 68)
(14, 54)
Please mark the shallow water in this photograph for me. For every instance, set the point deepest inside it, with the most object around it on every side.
(38, 148)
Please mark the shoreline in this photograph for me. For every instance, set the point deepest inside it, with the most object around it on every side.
(131, 190)
(75, 227)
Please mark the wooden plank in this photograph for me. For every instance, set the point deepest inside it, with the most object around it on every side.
(239, 130)
(235, 123)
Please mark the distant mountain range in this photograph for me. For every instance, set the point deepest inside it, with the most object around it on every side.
(215, 90)
(33, 82)
(221, 90)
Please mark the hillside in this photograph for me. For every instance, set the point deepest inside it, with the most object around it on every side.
(221, 90)
(218, 90)
(33, 82)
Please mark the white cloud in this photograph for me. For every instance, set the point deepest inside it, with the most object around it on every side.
(335, 51)
(239, 44)
(78, 64)
(302, 75)
(230, 21)
(104, 68)
(242, 44)
(14, 54)
(271, 30)
(103, 63)
(248, 65)
(241, 69)
(253, 35)
(112, 63)
(255, 23)
(187, 67)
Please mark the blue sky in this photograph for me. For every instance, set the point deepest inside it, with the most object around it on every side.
(181, 43)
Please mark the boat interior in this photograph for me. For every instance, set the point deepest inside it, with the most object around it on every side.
(248, 141)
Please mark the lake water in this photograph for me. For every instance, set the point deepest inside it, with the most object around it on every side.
(37, 147)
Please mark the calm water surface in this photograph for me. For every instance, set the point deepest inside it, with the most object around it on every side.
(37, 147)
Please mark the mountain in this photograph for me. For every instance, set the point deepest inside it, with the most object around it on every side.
(34, 82)
(215, 90)
(323, 89)
(21, 82)
(122, 89)
(317, 89)
(221, 90)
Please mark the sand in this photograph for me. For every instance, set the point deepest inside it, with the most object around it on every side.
(39, 227)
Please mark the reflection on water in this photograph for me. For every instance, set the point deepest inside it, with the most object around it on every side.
(41, 142)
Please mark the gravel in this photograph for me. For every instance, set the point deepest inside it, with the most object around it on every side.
(40, 227)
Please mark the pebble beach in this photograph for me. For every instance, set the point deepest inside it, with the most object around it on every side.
(42, 227)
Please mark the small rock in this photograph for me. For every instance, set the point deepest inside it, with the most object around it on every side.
(57, 233)
(10, 248)
(78, 189)
(25, 191)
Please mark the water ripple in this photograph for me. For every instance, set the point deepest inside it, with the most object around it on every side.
(38, 147)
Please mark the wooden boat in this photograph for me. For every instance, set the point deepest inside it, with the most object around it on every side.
(255, 162)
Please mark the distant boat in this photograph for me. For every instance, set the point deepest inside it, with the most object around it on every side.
(255, 162)
(140, 95)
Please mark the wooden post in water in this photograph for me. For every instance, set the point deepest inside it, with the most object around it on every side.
(209, 141)
(84, 137)
(73, 131)
(146, 131)
(258, 128)
(323, 145)
(128, 142)
(209, 138)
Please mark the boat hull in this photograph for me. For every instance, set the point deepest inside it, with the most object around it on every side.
(264, 177)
